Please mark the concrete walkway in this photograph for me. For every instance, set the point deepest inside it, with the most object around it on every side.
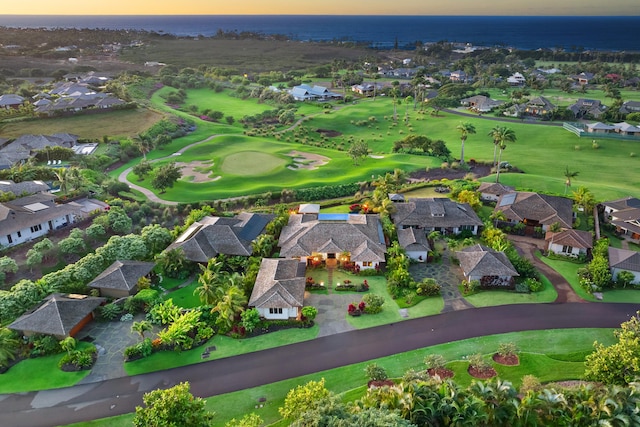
(447, 276)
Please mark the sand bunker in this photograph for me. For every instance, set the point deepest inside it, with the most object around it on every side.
(308, 161)
(196, 172)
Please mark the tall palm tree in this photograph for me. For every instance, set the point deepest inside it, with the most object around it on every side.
(62, 179)
(465, 129)
(500, 134)
(568, 175)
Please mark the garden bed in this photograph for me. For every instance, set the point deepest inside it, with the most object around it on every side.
(507, 359)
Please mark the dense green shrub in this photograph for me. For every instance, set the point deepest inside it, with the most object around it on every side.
(373, 303)
(428, 287)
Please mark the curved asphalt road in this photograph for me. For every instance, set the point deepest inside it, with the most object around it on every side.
(121, 395)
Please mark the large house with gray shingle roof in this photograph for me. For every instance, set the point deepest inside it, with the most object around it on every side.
(333, 238)
(279, 289)
(10, 100)
(572, 243)
(24, 147)
(23, 188)
(120, 279)
(436, 214)
(305, 92)
(481, 103)
(624, 260)
(213, 235)
(624, 214)
(58, 315)
(491, 268)
(28, 218)
(536, 210)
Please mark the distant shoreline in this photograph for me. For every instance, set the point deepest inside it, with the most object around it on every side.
(598, 33)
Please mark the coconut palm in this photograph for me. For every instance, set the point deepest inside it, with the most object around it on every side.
(568, 175)
(62, 179)
(500, 134)
(465, 129)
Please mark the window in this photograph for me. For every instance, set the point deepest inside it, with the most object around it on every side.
(567, 249)
(19, 234)
(367, 263)
(36, 228)
(9, 239)
(275, 311)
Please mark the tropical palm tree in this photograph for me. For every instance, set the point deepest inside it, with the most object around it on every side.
(211, 279)
(141, 327)
(500, 134)
(8, 346)
(465, 129)
(230, 306)
(62, 179)
(568, 175)
(583, 197)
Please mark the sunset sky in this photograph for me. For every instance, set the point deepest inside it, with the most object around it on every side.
(320, 7)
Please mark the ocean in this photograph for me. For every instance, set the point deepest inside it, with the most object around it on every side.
(606, 33)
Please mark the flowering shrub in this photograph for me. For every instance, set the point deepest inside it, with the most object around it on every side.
(353, 310)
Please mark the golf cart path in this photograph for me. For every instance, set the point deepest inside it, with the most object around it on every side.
(122, 395)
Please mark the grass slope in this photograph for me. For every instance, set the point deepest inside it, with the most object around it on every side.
(349, 380)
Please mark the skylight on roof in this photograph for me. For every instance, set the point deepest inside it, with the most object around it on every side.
(508, 199)
(36, 207)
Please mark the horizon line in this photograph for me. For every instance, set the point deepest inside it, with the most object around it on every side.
(314, 14)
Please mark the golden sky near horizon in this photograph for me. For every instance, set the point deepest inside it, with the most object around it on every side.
(321, 7)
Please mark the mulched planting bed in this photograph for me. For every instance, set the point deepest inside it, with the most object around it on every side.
(441, 372)
(483, 374)
(329, 133)
(508, 360)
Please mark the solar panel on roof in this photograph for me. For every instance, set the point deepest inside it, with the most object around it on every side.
(508, 199)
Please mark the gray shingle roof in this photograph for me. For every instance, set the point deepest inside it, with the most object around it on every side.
(574, 238)
(537, 207)
(494, 188)
(16, 214)
(122, 275)
(412, 239)
(25, 187)
(279, 284)
(57, 315)
(624, 259)
(361, 235)
(479, 260)
(434, 212)
(211, 236)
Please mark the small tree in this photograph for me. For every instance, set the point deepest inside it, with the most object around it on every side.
(435, 361)
(68, 344)
(172, 407)
(507, 349)
(250, 319)
(376, 372)
(142, 169)
(309, 313)
(304, 398)
(624, 278)
(141, 327)
(7, 265)
(358, 151)
(166, 176)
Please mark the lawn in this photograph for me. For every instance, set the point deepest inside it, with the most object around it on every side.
(496, 297)
(239, 181)
(41, 373)
(123, 123)
(221, 101)
(545, 352)
(568, 270)
(225, 347)
(185, 297)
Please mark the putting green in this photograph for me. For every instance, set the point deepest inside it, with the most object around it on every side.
(251, 163)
